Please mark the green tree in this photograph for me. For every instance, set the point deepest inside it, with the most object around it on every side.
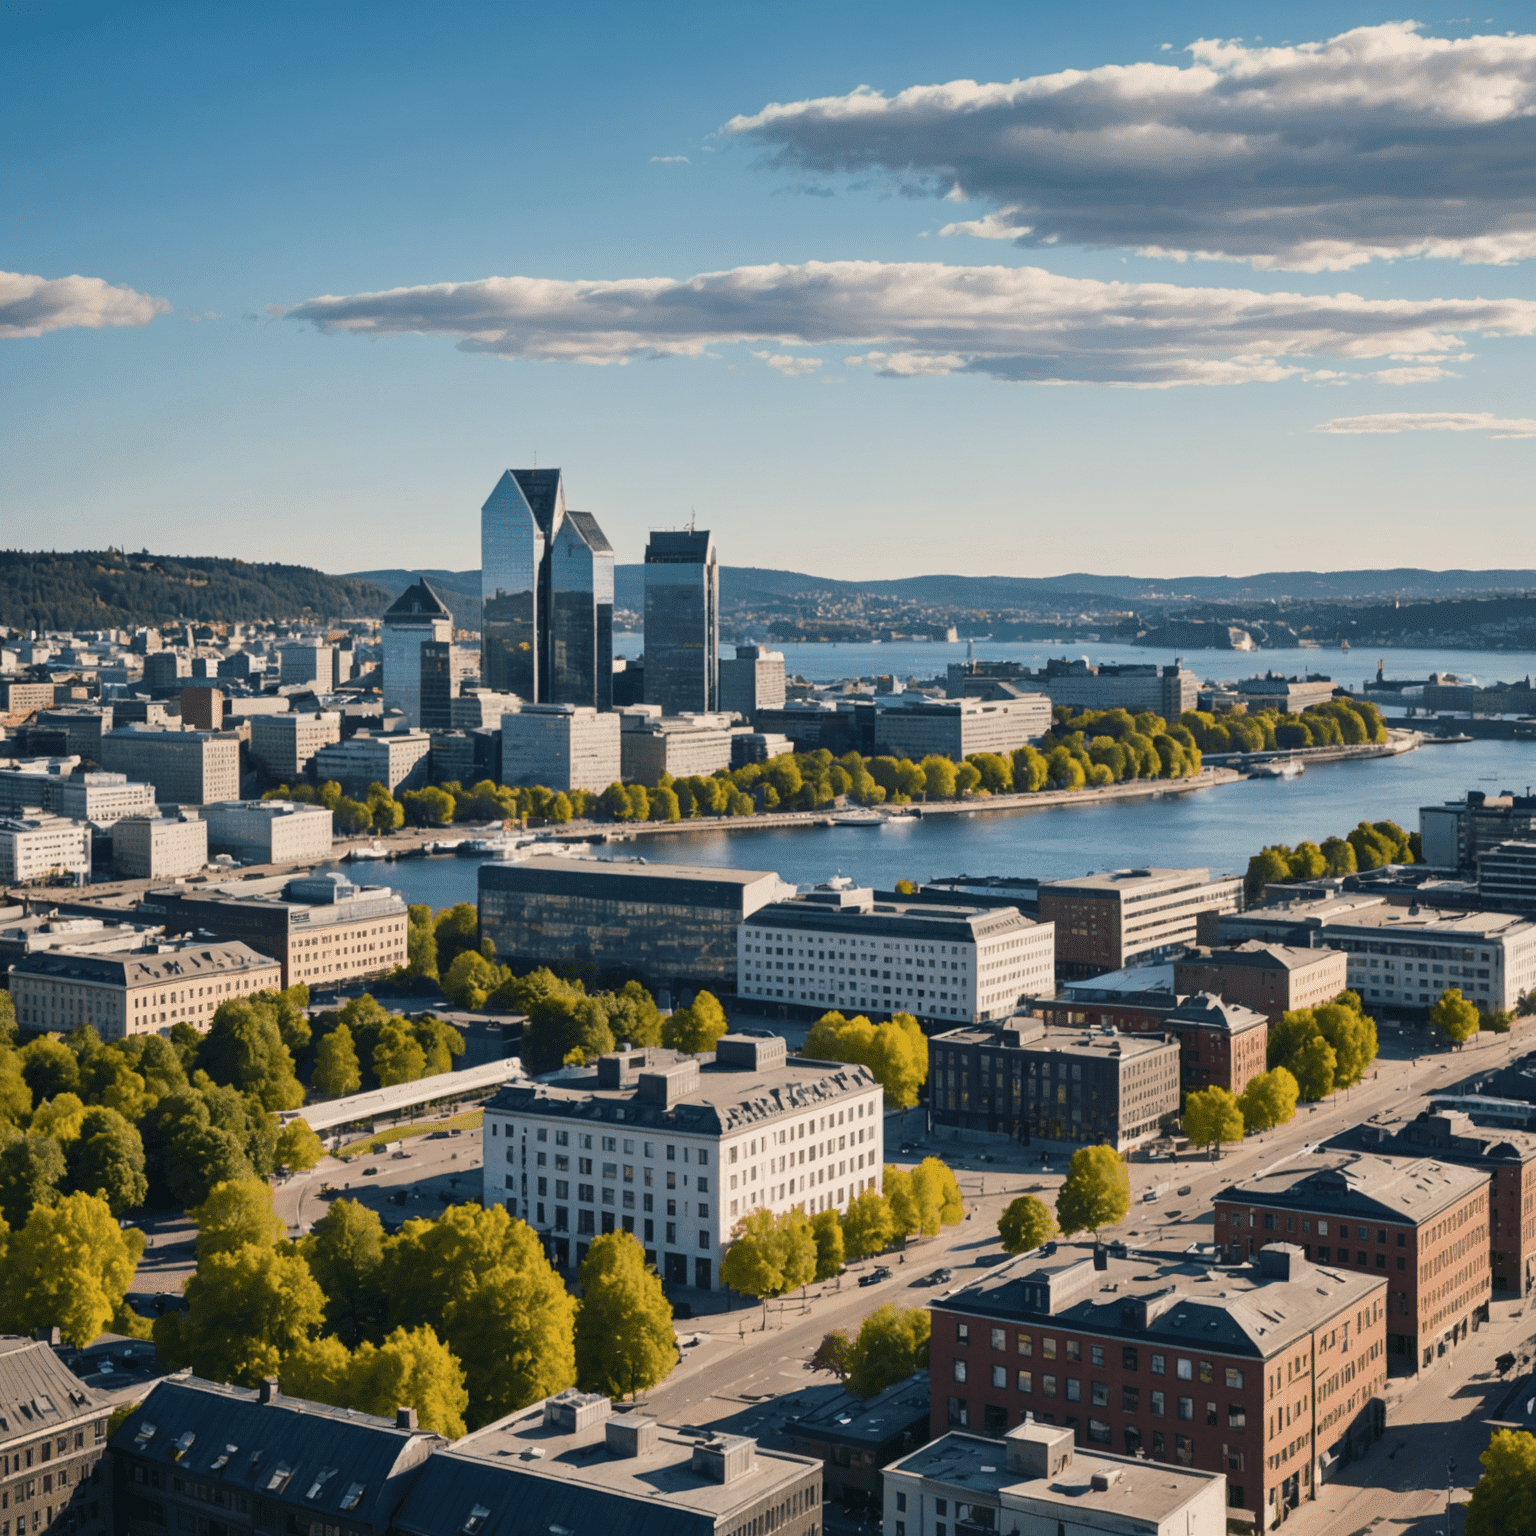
(1454, 1016)
(827, 1230)
(753, 1264)
(244, 1049)
(32, 1168)
(318, 1371)
(1025, 1225)
(1269, 1100)
(896, 1052)
(1212, 1116)
(397, 1058)
(70, 1265)
(49, 1067)
(236, 1214)
(1340, 856)
(697, 1027)
(15, 1095)
(561, 1025)
(414, 1368)
(890, 1346)
(1313, 1067)
(107, 1159)
(337, 1070)
(1265, 869)
(431, 807)
(457, 928)
(1504, 1501)
(834, 1353)
(7, 1019)
(351, 817)
(247, 1308)
(1351, 1034)
(298, 1148)
(345, 1253)
(938, 777)
(624, 1337)
(470, 979)
(1096, 1192)
(868, 1227)
(200, 1156)
(62, 1118)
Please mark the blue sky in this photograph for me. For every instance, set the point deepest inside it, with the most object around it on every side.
(1057, 386)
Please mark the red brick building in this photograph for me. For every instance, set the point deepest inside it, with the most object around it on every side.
(1418, 1224)
(1271, 978)
(1264, 1371)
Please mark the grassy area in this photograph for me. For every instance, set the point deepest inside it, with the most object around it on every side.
(470, 1121)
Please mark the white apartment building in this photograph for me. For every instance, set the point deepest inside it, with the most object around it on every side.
(103, 798)
(139, 992)
(915, 726)
(269, 831)
(159, 847)
(37, 847)
(837, 947)
(678, 1149)
(560, 746)
(1405, 957)
(284, 744)
(396, 759)
(681, 745)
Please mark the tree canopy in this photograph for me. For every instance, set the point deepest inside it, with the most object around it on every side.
(624, 1337)
(896, 1052)
(1504, 1501)
(1025, 1225)
(1096, 1192)
(1454, 1016)
(891, 1344)
(1212, 1116)
(1269, 1100)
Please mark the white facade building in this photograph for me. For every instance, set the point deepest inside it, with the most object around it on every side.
(415, 617)
(837, 947)
(103, 798)
(36, 847)
(560, 746)
(159, 847)
(684, 746)
(396, 759)
(269, 831)
(678, 1149)
(914, 726)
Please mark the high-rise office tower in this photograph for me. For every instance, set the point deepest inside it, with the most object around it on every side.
(417, 616)
(444, 669)
(682, 622)
(547, 582)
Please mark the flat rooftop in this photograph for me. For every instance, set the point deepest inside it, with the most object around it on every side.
(1255, 954)
(1435, 920)
(1115, 881)
(1060, 1039)
(1361, 1184)
(568, 871)
(849, 1420)
(1118, 985)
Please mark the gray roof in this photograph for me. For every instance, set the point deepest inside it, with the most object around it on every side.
(523, 1475)
(1205, 1010)
(1172, 1301)
(1030, 1036)
(1447, 1133)
(418, 601)
(1396, 1189)
(1255, 954)
(339, 1463)
(142, 968)
(912, 920)
(37, 1391)
(1124, 882)
(691, 885)
(594, 537)
(843, 1419)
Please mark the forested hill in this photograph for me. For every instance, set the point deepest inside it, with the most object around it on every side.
(92, 589)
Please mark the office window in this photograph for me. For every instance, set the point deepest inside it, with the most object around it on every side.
(1000, 1377)
(1185, 1370)
(960, 1368)
(1158, 1403)
(999, 1338)
(1186, 1408)
(1159, 1365)
(1235, 1377)
(1130, 1399)
(1025, 1381)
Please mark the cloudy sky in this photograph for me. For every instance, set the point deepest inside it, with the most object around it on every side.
(872, 289)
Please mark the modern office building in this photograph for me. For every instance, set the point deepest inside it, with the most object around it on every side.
(682, 622)
(1265, 1372)
(396, 759)
(284, 745)
(547, 595)
(262, 1460)
(32, 784)
(1165, 691)
(566, 1465)
(1130, 916)
(1038, 1481)
(651, 744)
(101, 798)
(671, 925)
(561, 746)
(476, 709)
(445, 668)
(753, 680)
(269, 831)
(307, 661)
(1071, 1087)
(82, 726)
(1506, 876)
(1288, 695)
(202, 709)
(677, 1149)
(155, 847)
(415, 618)
(1271, 978)
(19, 698)
(1420, 1223)
(43, 847)
(136, 992)
(838, 947)
(913, 726)
(322, 930)
(1456, 834)
(185, 767)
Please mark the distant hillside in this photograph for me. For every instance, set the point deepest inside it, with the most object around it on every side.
(90, 589)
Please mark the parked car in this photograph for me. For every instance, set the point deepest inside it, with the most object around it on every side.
(369, 1172)
(1150, 1197)
(1184, 1190)
(398, 1155)
(942, 1276)
(875, 1276)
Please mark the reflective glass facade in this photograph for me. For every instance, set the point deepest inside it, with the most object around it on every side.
(682, 622)
(581, 614)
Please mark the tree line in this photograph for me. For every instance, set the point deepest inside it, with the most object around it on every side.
(1338, 723)
(1372, 845)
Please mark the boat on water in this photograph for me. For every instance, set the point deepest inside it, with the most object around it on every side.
(1344, 645)
(858, 819)
(1287, 768)
(489, 848)
(373, 850)
(1445, 741)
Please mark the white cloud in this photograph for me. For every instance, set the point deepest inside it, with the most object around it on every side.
(790, 367)
(1433, 421)
(670, 160)
(30, 306)
(1377, 143)
(1427, 374)
(1021, 324)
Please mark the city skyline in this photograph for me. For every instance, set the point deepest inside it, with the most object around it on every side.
(847, 284)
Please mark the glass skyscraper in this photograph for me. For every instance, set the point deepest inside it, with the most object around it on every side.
(547, 586)
(682, 622)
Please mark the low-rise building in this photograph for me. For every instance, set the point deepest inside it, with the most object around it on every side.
(263, 1461)
(1271, 978)
(913, 725)
(754, 680)
(396, 759)
(1421, 1224)
(838, 947)
(678, 1149)
(1038, 1482)
(561, 746)
(135, 992)
(269, 831)
(853, 1437)
(32, 784)
(43, 847)
(1069, 1086)
(1136, 687)
(102, 798)
(1288, 695)
(1222, 1044)
(23, 698)
(1506, 876)
(306, 661)
(159, 847)
(1130, 916)
(323, 930)
(1269, 1372)
(185, 767)
(53, 1434)
(1456, 834)
(567, 1465)
(669, 925)
(683, 746)
(283, 745)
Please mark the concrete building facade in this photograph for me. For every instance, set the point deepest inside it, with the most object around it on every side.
(682, 745)
(185, 767)
(560, 746)
(956, 728)
(752, 680)
(284, 745)
(398, 760)
(1165, 691)
(1270, 978)
(269, 831)
(43, 847)
(102, 798)
(159, 847)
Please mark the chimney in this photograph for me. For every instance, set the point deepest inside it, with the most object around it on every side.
(268, 1388)
(405, 1418)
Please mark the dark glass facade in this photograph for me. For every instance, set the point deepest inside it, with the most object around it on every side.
(682, 622)
(581, 614)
